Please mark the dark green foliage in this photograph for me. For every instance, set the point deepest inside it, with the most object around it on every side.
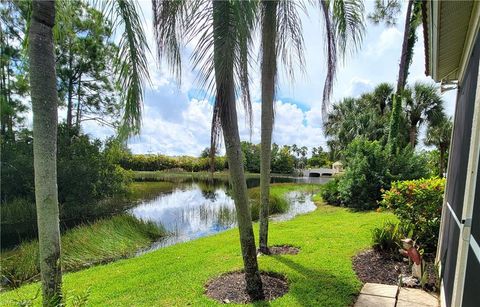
(330, 192)
(162, 162)
(394, 124)
(87, 176)
(319, 158)
(283, 161)
(418, 205)
(17, 168)
(369, 170)
(251, 157)
(365, 176)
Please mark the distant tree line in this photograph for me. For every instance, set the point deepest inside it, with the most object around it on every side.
(285, 159)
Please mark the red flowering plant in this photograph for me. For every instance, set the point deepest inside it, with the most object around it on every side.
(418, 205)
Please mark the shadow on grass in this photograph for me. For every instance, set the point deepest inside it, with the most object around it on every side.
(317, 287)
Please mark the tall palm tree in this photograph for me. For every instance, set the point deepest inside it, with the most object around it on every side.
(386, 11)
(439, 136)
(131, 71)
(224, 29)
(423, 104)
(269, 70)
(44, 107)
(281, 36)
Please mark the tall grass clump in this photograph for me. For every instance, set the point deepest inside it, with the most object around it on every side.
(278, 202)
(83, 246)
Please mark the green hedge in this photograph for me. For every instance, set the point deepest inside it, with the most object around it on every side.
(161, 162)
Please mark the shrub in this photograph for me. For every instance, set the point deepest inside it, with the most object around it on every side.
(330, 192)
(370, 168)
(365, 175)
(418, 204)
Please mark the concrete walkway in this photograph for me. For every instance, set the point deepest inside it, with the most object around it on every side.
(378, 295)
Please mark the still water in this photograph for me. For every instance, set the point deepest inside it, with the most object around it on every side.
(198, 209)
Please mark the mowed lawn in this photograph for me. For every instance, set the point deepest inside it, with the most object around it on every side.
(320, 275)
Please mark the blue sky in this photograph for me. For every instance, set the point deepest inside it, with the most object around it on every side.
(176, 118)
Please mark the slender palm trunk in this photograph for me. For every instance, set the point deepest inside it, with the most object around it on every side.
(269, 70)
(223, 59)
(413, 135)
(70, 91)
(442, 150)
(404, 59)
(44, 107)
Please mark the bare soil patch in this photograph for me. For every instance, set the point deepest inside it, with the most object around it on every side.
(377, 267)
(283, 250)
(231, 287)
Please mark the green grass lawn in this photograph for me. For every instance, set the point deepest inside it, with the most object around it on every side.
(320, 275)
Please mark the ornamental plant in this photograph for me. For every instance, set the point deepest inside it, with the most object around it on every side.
(418, 205)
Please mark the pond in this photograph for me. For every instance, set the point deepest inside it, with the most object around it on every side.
(199, 209)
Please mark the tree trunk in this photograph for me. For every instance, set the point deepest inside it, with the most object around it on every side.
(403, 67)
(44, 107)
(70, 92)
(413, 135)
(79, 103)
(442, 160)
(225, 91)
(269, 70)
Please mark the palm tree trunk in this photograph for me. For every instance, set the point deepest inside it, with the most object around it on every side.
(413, 135)
(44, 107)
(269, 70)
(403, 67)
(70, 91)
(225, 87)
(442, 150)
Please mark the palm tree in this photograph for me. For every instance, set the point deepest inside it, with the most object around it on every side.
(269, 70)
(131, 71)
(387, 11)
(423, 104)
(44, 107)
(221, 55)
(282, 33)
(439, 136)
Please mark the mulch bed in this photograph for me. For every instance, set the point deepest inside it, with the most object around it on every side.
(377, 267)
(231, 288)
(283, 250)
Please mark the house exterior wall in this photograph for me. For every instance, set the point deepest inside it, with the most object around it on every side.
(458, 178)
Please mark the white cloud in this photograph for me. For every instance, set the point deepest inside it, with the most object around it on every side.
(175, 123)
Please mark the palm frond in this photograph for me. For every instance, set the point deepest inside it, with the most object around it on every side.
(131, 67)
(233, 24)
(331, 47)
(290, 43)
(344, 29)
(349, 24)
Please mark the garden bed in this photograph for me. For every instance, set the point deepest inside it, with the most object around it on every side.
(373, 266)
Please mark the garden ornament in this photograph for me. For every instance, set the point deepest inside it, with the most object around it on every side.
(411, 252)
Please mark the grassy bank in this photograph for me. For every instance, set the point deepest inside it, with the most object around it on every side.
(320, 275)
(83, 246)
